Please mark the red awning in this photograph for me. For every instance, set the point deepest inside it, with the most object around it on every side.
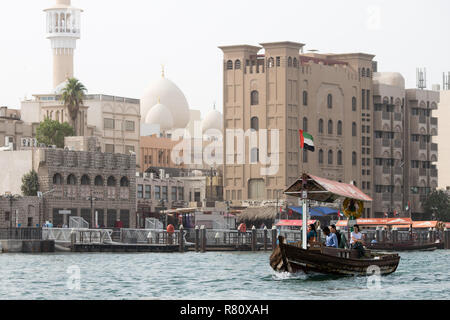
(447, 225)
(425, 224)
(293, 223)
(324, 190)
(407, 221)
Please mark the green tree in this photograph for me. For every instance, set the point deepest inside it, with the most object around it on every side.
(52, 132)
(30, 184)
(438, 205)
(72, 96)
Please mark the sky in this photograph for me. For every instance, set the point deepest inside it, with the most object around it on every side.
(124, 43)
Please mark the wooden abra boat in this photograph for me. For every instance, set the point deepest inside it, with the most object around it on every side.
(317, 258)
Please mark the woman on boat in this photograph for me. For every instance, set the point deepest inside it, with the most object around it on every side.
(356, 241)
(312, 233)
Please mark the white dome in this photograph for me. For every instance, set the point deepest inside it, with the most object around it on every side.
(394, 79)
(213, 120)
(60, 87)
(171, 96)
(161, 115)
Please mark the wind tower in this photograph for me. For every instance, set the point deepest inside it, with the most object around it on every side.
(63, 30)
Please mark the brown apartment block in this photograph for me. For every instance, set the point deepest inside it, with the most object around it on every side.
(330, 96)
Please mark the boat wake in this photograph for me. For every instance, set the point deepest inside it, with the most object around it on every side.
(313, 276)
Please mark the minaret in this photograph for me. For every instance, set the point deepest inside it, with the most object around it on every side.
(63, 29)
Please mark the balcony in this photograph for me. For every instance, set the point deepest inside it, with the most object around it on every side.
(434, 152)
(422, 172)
(433, 173)
(418, 125)
(379, 119)
(380, 149)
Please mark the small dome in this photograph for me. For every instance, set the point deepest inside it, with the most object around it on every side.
(394, 79)
(213, 120)
(171, 96)
(160, 115)
(60, 87)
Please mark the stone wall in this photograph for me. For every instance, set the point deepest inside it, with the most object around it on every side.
(28, 211)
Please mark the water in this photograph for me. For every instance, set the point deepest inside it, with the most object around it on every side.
(195, 276)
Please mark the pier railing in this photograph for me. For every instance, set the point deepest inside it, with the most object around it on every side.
(20, 234)
(77, 236)
(150, 236)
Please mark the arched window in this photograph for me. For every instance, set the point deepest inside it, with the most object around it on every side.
(71, 180)
(305, 124)
(254, 156)
(111, 181)
(339, 158)
(320, 156)
(339, 128)
(354, 129)
(354, 160)
(330, 126)
(98, 181)
(330, 157)
(289, 62)
(330, 101)
(254, 122)
(237, 64)
(124, 182)
(368, 73)
(57, 179)
(254, 98)
(295, 63)
(321, 126)
(363, 72)
(270, 63)
(354, 104)
(305, 98)
(85, 181)
(229, 65)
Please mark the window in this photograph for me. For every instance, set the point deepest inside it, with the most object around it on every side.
(339, 158)
(354, 104)
(129, 149)
(98, 181)
(124, 182)
(109, 148)
(165, 193)
(254, 155)
(295, 63)
(229, 65)
(330, 127)
(368, 100)
(254, 123)
(320, 126)
(111, 182)
(181, 193)
(368, 72)
(237, 64)
(140, 191)
(354, 129)
(85, 181)
(254, 98)
(363, 99)
(148, 192)
(289, 62)
(305, 124)
(270, 63)
(57, 179)
(339, 128)
(320, 156)
(129, 125)
(71, 180)
(109, 123)
(354, 159)
(330, 101)
(278, 61)
(363, 72)
(330, 157)
(157, 192)
(174, 194)
(305, 98)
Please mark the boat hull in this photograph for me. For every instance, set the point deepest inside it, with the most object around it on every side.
(289, 258)
(404, 247)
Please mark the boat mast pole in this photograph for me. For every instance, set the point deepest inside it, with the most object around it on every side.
(305, 222)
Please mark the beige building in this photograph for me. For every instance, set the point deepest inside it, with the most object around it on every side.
(442, 115)
(14, 132)
(324, 94)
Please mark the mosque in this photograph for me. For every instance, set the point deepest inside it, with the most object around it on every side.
(121, 124)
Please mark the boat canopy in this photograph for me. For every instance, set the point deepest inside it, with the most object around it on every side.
(293, 223)
(324, 190)
(316, 211)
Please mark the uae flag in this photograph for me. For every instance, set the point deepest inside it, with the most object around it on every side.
(306, 141)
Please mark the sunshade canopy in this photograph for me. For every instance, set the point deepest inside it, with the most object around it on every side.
(324, 190)
(316, 211)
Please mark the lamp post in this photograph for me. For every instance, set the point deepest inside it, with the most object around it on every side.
(42, 197)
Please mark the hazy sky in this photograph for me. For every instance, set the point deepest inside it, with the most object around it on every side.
(124, 43)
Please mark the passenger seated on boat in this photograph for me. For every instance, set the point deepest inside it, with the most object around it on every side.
(356, 241)
(337, 233)
(331, 240)
(312, 233)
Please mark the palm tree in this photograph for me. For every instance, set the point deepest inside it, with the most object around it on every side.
(72, 96)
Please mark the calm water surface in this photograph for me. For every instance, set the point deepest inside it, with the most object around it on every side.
(195, 276)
